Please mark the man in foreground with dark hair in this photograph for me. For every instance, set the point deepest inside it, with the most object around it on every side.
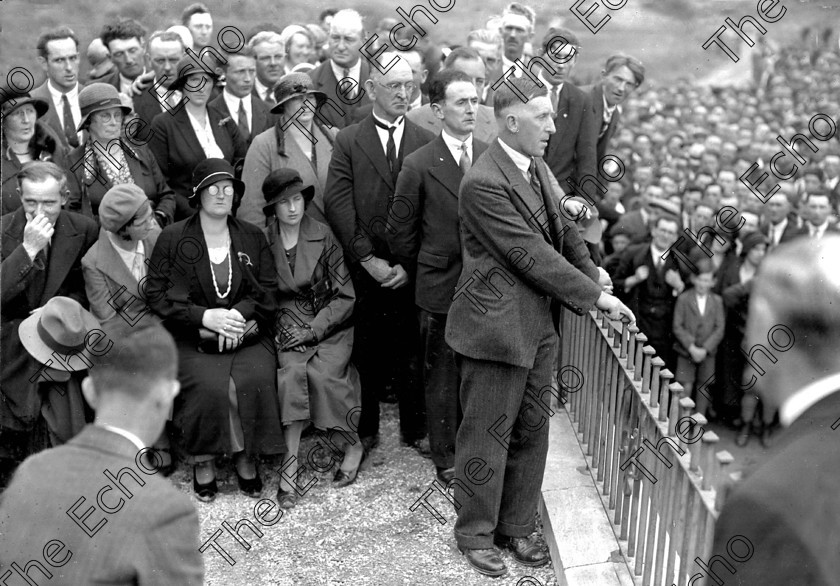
(782, 524)
(93, 511)
(522, 259)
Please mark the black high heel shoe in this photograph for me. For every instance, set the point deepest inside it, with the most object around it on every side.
(342, 478)
(206, 493)
(251, 487)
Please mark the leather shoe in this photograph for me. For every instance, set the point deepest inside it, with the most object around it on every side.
(445, 475)
(286, 499)
(485, 561)
(370, 442)
(251, 487)
(421, 445)
(342, 478)
(528, 551)
(206, 493)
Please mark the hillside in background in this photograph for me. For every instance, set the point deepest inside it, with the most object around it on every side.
(667, 35)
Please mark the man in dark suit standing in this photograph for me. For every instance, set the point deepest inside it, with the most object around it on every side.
(781, 224)
(164, 51)
(58, 54)
(125, 43)
(424, 237)
(237, 99)
(343, 76)
(126, 526)
(621, 76)
(571, 149)
(42, 249)
(652, 284)
(270, 55)
(366, 160)
(521, 259)
(781, 525)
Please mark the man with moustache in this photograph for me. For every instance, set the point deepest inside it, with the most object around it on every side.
(164, 51)
(781, 525)
(517, 30)
(522, 258)
(58, 55)
(424, 237)
(237, 100)
(621, 76)
(40, 258)
(362, 176)
(343, 76)
(270, 54)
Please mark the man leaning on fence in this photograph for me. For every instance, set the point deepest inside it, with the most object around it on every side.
(521, 260)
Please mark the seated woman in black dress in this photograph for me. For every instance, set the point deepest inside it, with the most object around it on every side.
(213, 282)
(316, 381)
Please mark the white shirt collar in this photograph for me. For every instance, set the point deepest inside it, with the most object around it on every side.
(507, 64)
(399, 127)
(127, 256)
(72, 95)
(608, 110)
(125, 83)
(454, 145)
(355, 71)
(233, 106)
(261, 89)
(820, 229)
(799, 402)
(522, 162)
(138, 443)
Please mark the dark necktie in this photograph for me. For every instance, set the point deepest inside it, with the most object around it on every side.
(535, 181)
(391, 147)
(464, 162)
(269, 97)
(555, 97)
(69, 124)
(605, 124)
(243, 121)
(536, 185)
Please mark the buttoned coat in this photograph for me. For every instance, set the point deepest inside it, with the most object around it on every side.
(425, 236)
(340, 109)
(26, 285)
(148, 534)
(360, 187)
(261, 117)
(113, 292)
(485, 129)
(522, 258)
(690, 327)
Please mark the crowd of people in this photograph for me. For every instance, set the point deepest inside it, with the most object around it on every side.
(289, 212)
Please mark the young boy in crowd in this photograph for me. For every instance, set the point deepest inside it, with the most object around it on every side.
(698, 329)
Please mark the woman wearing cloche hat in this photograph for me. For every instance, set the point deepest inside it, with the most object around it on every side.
(316, 381)
(214, 285)
(110, 159)
(305, 145)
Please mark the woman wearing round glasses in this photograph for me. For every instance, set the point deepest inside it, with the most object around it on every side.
(213, 282)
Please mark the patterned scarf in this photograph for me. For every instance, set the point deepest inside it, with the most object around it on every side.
(113, 165)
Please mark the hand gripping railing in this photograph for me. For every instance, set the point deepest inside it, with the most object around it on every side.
(657, 466)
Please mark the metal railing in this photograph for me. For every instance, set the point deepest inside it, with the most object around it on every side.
(656, 466)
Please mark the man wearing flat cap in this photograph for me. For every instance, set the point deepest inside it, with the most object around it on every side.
(40, 258)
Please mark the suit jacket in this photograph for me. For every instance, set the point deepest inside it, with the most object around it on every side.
(596, 102)
(485, 122)
(147, 106)
(27, 285)
(424, 232)
(178, 151)
(790, 232)
(360, 187)
(51, 117)
(149, 534)
(111, 289)
(571, 149)
(261, 117)
(339, 112)
(704, 331)
(85, 198)
(521, 259)
(788, 508)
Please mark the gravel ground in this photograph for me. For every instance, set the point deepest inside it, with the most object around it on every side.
(363, 534)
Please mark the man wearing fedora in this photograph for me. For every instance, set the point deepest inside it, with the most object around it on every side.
(424, 237)
(360, 187)
(94, 511)
(40, 258)
(58, 55)
(237, 100)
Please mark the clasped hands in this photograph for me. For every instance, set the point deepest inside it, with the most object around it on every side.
(295, 337)
(228, 323)
(697, 353)
(386, 275)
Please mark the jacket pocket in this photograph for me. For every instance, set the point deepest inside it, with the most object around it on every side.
(435, 260)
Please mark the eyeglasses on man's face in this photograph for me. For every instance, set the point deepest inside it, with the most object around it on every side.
(394, 87)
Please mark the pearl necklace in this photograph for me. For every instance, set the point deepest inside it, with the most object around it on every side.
(211, 255)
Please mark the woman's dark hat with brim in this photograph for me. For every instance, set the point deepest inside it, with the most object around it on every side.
(12, 98)
(282, 183)
(295, 85)
(97, 97)
(61, 326)
(210, 171)
(188, 66)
